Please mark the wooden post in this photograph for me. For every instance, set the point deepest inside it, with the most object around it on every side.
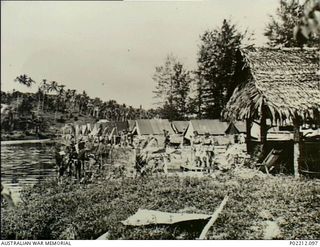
(263, 130)
(296, 148)
(248, 134)
(214, 217)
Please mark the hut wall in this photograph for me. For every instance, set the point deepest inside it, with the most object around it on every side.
(286, 156)
(310, 157)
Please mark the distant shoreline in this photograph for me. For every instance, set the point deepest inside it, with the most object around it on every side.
(14, 142)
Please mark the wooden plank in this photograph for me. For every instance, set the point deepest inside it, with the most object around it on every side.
(296, 148)
(214, 217)
(296, 154)
(248, 134)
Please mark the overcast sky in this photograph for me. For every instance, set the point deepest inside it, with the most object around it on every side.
(110, 49)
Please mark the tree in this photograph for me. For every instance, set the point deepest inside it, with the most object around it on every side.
(172, 88)
(281, 29)
(25, 107)
(309, 25)
(61, 98)
(54, 87)
(70, 98)
(83, 103)
(216, 68)
(197, 105)
(24, 80)
(43, 89)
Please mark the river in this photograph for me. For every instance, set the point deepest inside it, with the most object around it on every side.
(25, 164)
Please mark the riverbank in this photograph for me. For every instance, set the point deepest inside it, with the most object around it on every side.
(73, 211)
(32, 141)
(26, 136)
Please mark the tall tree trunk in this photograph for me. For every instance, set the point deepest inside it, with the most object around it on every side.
(44, 96)
(56, 107)
(39, 106)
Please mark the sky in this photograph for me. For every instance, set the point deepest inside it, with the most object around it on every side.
(110, 49)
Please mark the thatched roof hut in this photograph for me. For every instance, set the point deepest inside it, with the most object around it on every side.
(286, 81)
(276, 84)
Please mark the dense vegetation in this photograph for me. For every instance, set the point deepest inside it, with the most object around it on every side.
(72, 211)
(202, 93)
(69, 210)
(181, 93)
(173, 84)
(283, 29)
(53, 106)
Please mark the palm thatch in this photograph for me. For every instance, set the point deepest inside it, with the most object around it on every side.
(287, 81)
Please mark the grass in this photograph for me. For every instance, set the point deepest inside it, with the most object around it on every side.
(73, 211)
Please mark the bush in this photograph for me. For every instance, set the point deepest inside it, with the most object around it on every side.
(61, 120)
(74, 211)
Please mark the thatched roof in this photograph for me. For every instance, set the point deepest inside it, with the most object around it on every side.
(287, 81)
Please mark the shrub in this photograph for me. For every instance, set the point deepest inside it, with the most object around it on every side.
(75, 211)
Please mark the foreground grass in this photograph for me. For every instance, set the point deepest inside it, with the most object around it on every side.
(70, 211)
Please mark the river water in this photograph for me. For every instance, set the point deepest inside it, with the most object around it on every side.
(25, 164)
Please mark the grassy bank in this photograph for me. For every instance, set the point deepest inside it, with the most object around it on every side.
(70, 211)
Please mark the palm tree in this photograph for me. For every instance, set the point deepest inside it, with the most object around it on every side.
(43, 89)
(61, 97)
(54, 87)
(83, 104)
(77, 102)
(73, 98)
(90, 107)
(23, 80)
(70, 98)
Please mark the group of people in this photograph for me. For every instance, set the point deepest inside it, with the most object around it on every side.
(203, 151)
(82, 157)
(204, 156)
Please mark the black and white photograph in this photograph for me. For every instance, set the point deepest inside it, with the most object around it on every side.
(160, 120)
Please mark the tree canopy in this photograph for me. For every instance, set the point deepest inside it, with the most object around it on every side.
(172, 88)
(310, 22)
(216, 68)
(281, 29)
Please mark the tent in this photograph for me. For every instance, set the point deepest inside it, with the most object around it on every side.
(212, 127)
(180, 126)
(235, 128)
(146, 127)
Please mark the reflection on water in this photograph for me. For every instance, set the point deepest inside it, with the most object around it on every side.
(25, 164)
